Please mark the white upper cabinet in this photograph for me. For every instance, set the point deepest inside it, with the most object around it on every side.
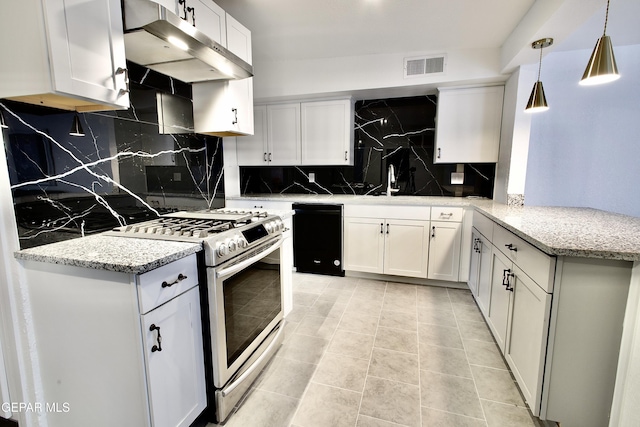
(223, 107)
(283, 134)
(205, 15)
(66, 54)
(327, 132)
(238, 39)
(468, 125)
(252, 150)
(301, 133)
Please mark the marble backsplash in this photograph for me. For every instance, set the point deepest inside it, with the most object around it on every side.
(68, 186)
(398, 132)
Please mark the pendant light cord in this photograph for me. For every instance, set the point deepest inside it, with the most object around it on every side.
(606, 18)
(540, 64)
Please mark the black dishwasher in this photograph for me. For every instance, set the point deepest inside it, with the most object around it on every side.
(317, 238)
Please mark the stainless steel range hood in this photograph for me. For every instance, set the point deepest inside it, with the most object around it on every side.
(160, 40)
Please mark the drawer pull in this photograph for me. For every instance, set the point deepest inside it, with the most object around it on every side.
(511, 247)
(448, 215)
(180, 278)
(157, 347)
(381, 228)
(433, 231)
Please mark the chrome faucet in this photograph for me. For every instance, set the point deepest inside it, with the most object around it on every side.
(391, 178)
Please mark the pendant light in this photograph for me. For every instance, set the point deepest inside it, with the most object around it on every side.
(602, 66)
(537, 101)
(76, 127)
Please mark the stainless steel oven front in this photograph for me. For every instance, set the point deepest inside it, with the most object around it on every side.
(246, 319)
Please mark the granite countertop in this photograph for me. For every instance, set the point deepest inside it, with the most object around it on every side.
(363, 200)
(558, 231)
(569, 231)
(121, 254)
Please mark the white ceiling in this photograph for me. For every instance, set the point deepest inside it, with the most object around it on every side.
(307, 29)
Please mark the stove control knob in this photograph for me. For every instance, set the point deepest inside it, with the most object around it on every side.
(279, 225)
(242, 242)
(222, 249)
(232, 244)
(269, 227)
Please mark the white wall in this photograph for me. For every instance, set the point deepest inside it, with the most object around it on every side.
(585, 150)
(333, 76)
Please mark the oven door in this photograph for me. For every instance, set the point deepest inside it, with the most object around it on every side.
(245, 306)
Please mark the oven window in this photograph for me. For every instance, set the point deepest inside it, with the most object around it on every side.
(252, 299)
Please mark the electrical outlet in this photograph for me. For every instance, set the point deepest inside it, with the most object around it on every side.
(177, 176)
(312, 177)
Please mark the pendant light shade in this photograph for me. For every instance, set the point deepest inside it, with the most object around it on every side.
(537, 100)
(76, 127)
(602, 66)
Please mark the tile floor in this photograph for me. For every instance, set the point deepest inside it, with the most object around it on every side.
(367, 353)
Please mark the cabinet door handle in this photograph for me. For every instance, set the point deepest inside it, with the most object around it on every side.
(387, 228)
(156, 347)
(511, 247)
(124, 71)
(438, 153)
(381, 228)
(184, 8)
(180, 278)
(235, 116)
(269, 156)
(193, 15)
(506, 279)
(265, 157)
(433, 231)
(346, 157)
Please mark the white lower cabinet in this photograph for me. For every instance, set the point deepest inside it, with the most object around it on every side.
(484, 275)
(557, 321)
(406, 247)
(116, 348)
(364, 245)
(498, 315)
(398, 247)
(387, 246)
(518, 316)
(527, 334)
(444, 250)
(519, 319)
(176, 369)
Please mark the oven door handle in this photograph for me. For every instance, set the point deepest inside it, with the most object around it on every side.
(247, 262)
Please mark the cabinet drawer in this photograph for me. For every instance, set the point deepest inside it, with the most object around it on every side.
(441, 213)
(483, 224)
(535, 263)
(387, 211)
(176, 277)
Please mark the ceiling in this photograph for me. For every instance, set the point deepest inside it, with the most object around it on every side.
(310, 29)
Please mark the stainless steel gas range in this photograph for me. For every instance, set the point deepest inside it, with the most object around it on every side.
(241, 293)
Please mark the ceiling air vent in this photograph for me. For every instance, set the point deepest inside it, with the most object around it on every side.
(421, 66)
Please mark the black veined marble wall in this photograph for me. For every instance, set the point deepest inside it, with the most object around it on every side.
(398, 132)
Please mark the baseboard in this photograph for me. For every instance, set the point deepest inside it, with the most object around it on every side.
(410, 280)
